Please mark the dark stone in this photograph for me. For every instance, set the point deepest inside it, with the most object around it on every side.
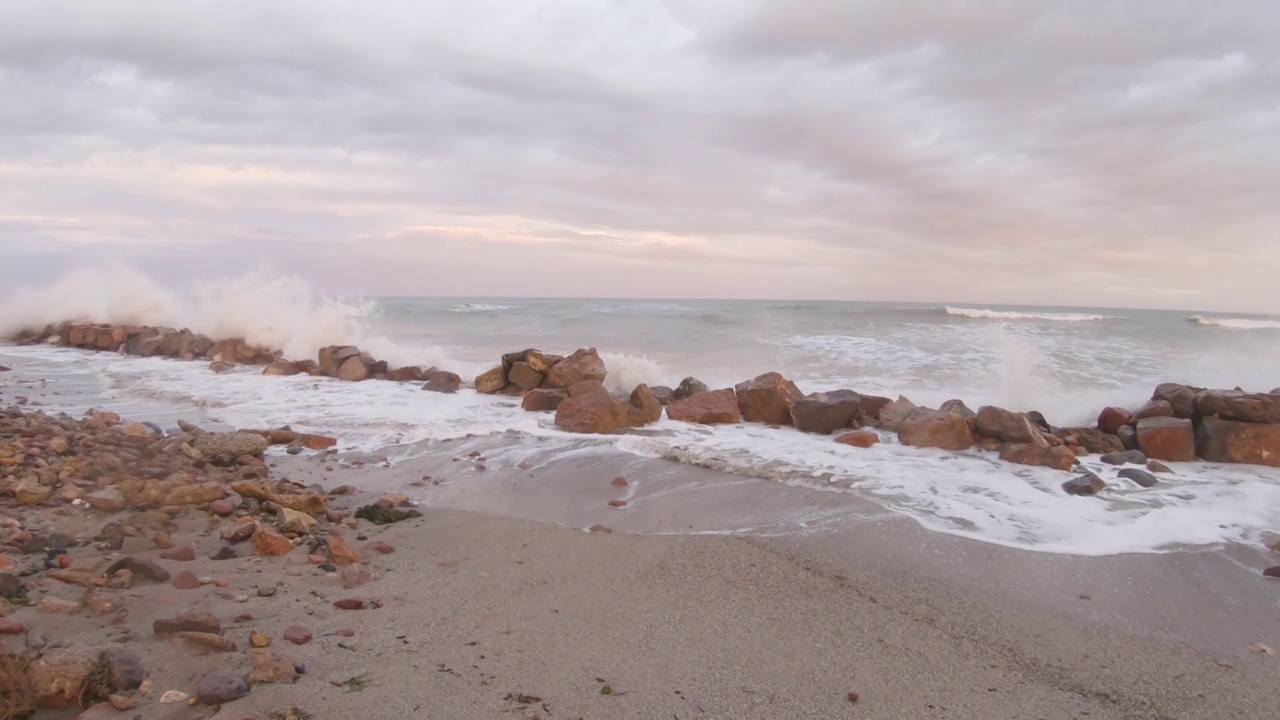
(11, 586)
(221, 687)
(689, 387)
(124, 669)
(1128, 437)
(1181, 398)
(1039, 420)
(226, 552)
(957, 407)
(1142, 477)
(1239, 406)
(1120, 458)
(1087, 484)
(385, 516)
(141, 568)
(826, 412)
(663, 394)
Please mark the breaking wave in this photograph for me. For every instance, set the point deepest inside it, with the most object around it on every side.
(1235, 323)
(984, 314)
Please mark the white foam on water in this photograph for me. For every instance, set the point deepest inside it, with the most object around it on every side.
(985, 314)
(1236, 323)
(479, 308)
(625, 372)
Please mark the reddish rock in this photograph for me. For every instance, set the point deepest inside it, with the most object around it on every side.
(827, 412)
(859, 438)
(8, 627)
(187, 580)
(297, 635)
(524, 377)
(222, 508)
(871, 406)
(583, 364)
(442, 381)
(492, 381)
(353, 576)
(341, 551)
(1154, 408)
(646, 408)
(707, 408)
(1005, 425)
(620, 482)
(191, 621)
(586, 387)
(271, 666)
(186, 553)
(1167, 438)
(1058, 458)
(381, 547)
(1272, 572)
(1181, 398)
(935, 429)
(1087, 484)
(688, 387)
(892, 414)
(413, 373)
(58, 678)
(1111, 419)
(1227, 441)
(767, 399)
(332, 357)
(1239, 406)
(349, 604)
(540, 361)
(270, 543)
(544, 400)
(1091, 440)
(619, 504)
(597, 412)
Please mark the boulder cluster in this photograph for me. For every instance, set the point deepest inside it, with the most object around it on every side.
(344, 362)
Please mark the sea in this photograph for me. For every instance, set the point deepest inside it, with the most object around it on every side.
(1067, 363)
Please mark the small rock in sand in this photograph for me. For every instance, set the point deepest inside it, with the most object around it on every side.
(297, 635)
(58, 606)
(349, 604)
(8, 627)
(173, 697)
(209, 640)
(162, 541)
(270, 666)
(187, 580)
(1272, 572)
(617, 504)
(186, 553)
(259, 639)
(226, 552)
(140, 568)
(222, 508)
(620, 482)
(353, 576)
(381, 547)
(598, 528)
(221, 687)
(190, 621)
(266, 591)
(341, 551)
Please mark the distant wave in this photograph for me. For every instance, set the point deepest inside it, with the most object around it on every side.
(1236, 323)
(983, 314)
(479, 307)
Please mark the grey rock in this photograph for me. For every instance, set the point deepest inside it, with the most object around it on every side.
(221, 687)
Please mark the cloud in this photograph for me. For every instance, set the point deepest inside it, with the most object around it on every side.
(1024, 152)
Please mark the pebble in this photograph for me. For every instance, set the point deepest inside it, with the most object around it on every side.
(173, 697)
(221, 582)
(349, 604)
(58, 606)
(11, 628)
(222, 508)
(620, 482)
(617, 503)
(259, 639)
(221, 687)
(381, 547)
(187, 580)
(297, 634)
(266, 591)
(163, 541)
(186, 553)
(226, 552)
(123, 702)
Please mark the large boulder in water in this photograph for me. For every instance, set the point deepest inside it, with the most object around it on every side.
(230, 445)
(957, 407)
(767, 399)
(412, 373)
(647, 408)
(826, 412)
(1181, 398)
(871, 407)
(892, 414)
(1228, 441)
(1005, 425)
(442, 381)
(707, 408)
(1092, 440)
(331, 358)
(492, 381)
(355, 368)
(1111, 419)
(1239, 406)
(597, 412)
(523, 376)
(1167, 438)
(935, 429)
(544, 399)
(583, 364)
(1154, 408)
(689, 387)
(1058, 458)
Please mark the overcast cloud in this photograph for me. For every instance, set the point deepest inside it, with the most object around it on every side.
(1103, 153)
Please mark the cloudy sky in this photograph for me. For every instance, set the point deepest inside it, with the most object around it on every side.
(1122, 153)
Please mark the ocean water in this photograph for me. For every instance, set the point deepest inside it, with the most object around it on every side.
(1065, 362)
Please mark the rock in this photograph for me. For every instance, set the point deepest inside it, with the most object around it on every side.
(663, 394)
(225, 552)
(1111, 419)
(58, 606)
(442, 382)
(1239, 406)
(524, 377)
(689, 387)
(1087, 484)
(221, 367)
(1272, 572)
(282, 368)
(827, 412)
(646, 408)
(1128, 456)
(222, 508)
(927, 428)
(140, 568)
(199, 621)
(355, 369)
(58, 678)
(1154, 408)
(230, 445)
(1005, 425)
(297, 635)
(707, 408)
(173, 697)
(331, 358)
(271, 666)
(349, 604)
(1156, 466)
(1167, 438)
(1058, 458)
(541, 362)
(120, 701)
(302, 499)
(379, 515)
(239, 532)
(957, 407)
(586, 387)
(1227, 441)
(221, 687)
(292, 521)
(209, 640)
(1128, 436)
(1039, 422)
(31, 492)
(491, 381)
(341, 552)
(353, 576)
(767, 399)
(597, 412)
(187, 580)
(259, 639)
(108, 500)
(11, 586)
(269, 543)
(381, 547)
(186, 553)
(543, 400)
(412, 373)
(124, 669)
(892, 414)
(194, 494)
(859, 438)
(101, 601)
(584, 364)
(1142, 477)
(1091, 439)
(8, 627)
(1181, 398)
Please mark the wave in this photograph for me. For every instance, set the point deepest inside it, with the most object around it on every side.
(1235, 323)
(984, 314)
(479, 307)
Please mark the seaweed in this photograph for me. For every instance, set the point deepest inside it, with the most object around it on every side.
(379, 515)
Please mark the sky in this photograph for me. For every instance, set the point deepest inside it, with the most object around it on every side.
(1108, 153)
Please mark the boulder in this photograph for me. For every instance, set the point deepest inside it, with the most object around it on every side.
(146, 343)
(1058, 458)
(1239, 406)
(663, 394)
(541, 362)
(1087, 484)
(524, 377)
(646, 406)
(858, 438)
(1140, 476)
(892, 414)
(586, 387)
(331, 358)
(707, 408)
(1135, 457)
(1128, 437)
(413, 373)
(355, 369)
(282, 368)
(1167, 438)
(221, 687)
(230, 445)
(935, 429)
(543, 399)
(689, 387)
(583, 364)
(511, 358)
(491, 381)
(1228, 441)
(1111, 419)
(767, 399)
(827, 412)
(442, 381)
(1092, 440)
(1005, 425)
(269, 543)
(220, 367)
(1154, 408)
(872, 405)
(597, 412)
(957, 407)
(1181, 398)
(58, 678)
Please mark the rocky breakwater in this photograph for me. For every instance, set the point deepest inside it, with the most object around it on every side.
(107, 531)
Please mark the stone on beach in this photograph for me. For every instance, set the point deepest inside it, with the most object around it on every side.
(1005, 425)
(858, 438)
(544, 399)
(1167, 438)
(1058, 458)
(442, 381)
(221, 687)
(491, 381)
(767, 399)
(1087, 484)
(1181, 398)
(1228, 441)
(1111, 419)
(688, 387)
(1239, 406)
(927, 428)
(707, 408)
(596, 412)
(584, 364)
(892, 414)
(826, 412)
(1139, 476)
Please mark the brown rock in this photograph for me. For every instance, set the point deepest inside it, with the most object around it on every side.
(230, 445)
(108, 500)
(297, 498)
(239, 532)
(1239, 406)
(1005, 425)
(331, 358)
(597, 412)
(187, 580)
(1167, 438)
(209, 640)
(58, 606)
(1091, 439)
(1141, 477)
(1156, 466)
(707, 408)
(859, 438)
(58, 678)
(767, 399)
(1227, 441)
(354, 369)
(1181, 398)
(827, 412)
(349, 604)
(271, 666)
(1111, 419)
(442, 382)
(142, 568)
(617, 504)
(353, 576)
(688, 387)
(270, 543)
(199, 621)
(935, 429)
(292, 521)
(186, 553)
(8, 627)
(220, 367)
(341, 552)
(1087, 484)
(524, 377)
(586, 387)
(491, 381)
(297, 635)
(259, 639)
(31, 492)
(892, 414)
(620, 482)
(195, 494)
(543, 400)
(412, 373)
(957, 407)
(649, 410)
(282, 368)
(381, 547)
(1058, 458)
(1154, 408)
(584, 364)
